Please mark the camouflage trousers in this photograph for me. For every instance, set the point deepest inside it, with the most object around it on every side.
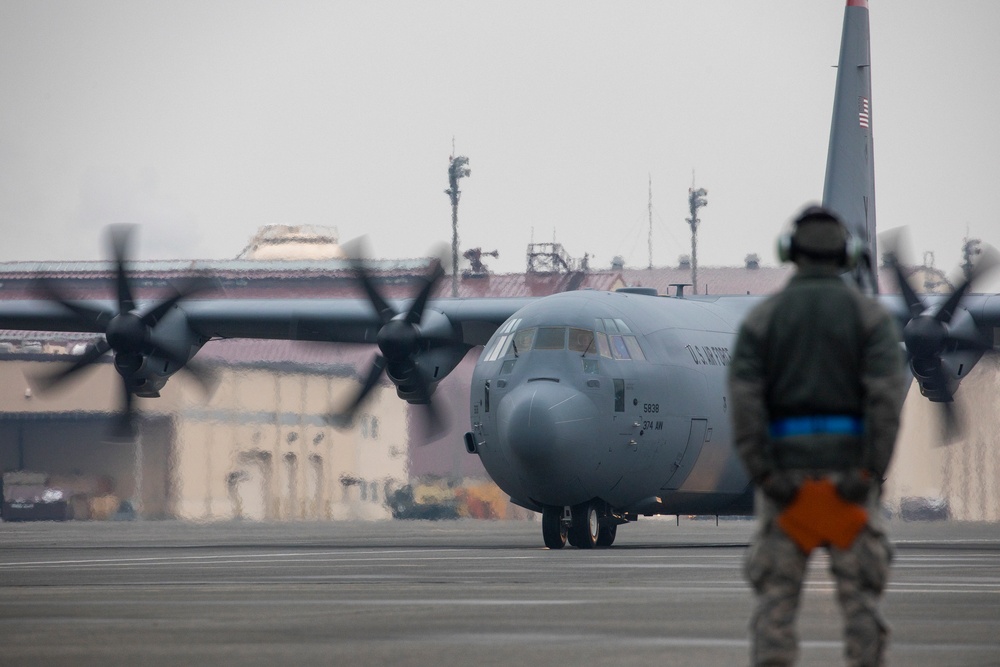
(776, 567)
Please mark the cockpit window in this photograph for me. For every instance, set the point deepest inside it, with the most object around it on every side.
(498, 347)
(523, 339)
(503, 341)
(618, 348)
(602, 345)
(510, 325)
(633, 348)
(626, 347)
(613, 325)
(581, 340)
(551, 338)
(508, 343)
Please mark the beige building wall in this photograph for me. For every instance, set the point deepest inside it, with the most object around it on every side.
(965, 473)
(258, 448)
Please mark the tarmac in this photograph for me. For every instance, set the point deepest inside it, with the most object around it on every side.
(456, 593)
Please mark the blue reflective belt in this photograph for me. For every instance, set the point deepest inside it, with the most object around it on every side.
(817, 425)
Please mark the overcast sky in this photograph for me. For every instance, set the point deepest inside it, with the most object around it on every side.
(203, 121)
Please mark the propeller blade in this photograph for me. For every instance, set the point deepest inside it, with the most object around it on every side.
(47, 381)
(436, 424)
(124, 425)
(345, 417)
(203, 374)
(913, 302)
(951, 425)
(947, 310)
(200, 372)
(181, 292)
(928, 337)
(400, 341)
(383, 309)
(416, 312)
(357, 253)
(120, 235)
(90, 318)
(893, 241)
(988, 261)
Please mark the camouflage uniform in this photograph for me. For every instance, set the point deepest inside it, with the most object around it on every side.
(819, 347)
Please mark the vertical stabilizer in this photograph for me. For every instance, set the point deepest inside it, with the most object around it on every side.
(849, 189)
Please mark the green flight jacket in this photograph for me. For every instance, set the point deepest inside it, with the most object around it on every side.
(818, 347)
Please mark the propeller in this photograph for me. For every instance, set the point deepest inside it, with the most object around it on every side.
(929, 335)
(127, 333)
(403, 339)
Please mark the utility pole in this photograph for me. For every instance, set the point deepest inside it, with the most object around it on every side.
(456, 169)
(696, 199)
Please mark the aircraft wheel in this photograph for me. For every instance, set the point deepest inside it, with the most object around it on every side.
(606, 535)
(586, 526)
(554, 531)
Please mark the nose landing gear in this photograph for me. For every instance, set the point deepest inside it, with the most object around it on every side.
(590, 524)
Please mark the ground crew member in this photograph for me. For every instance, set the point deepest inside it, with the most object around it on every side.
(816, 385)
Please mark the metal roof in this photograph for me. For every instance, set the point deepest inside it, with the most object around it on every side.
(530, 284)
(243, 278)
(711, 279)
(731, 280)
(83, 269)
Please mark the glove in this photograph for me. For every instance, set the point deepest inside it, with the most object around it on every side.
(855, 485)
(780, 486)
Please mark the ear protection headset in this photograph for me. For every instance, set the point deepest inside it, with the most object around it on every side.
(848, 255)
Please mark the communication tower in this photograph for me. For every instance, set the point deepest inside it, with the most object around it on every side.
(696, 199)
(457, 169)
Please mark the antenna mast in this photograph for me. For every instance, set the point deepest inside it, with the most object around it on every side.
(456, 169)
(649, 240)
(696, 199)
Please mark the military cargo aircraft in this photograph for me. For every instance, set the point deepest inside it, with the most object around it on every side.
(592, 408)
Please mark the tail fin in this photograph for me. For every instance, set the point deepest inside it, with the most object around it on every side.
(850, 168)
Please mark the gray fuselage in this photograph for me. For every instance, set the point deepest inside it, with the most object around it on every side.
(612, 396)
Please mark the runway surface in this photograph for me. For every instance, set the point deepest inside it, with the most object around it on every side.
(455, 593)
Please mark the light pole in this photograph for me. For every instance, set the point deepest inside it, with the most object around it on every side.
(456, 169)
(696, 199)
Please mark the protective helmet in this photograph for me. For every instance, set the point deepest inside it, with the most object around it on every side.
(818, 234)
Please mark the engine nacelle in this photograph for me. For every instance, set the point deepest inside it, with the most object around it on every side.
(171, 344)
(954, 366)
(432, 366)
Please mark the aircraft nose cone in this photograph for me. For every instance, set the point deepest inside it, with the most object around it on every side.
(549, 429)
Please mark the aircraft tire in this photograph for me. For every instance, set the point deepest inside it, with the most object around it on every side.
(554, 531)
(586, 526)
(606, 535)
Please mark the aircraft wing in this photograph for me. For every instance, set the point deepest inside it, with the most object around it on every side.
(44, 315)
(985, 310)
(336, 320)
